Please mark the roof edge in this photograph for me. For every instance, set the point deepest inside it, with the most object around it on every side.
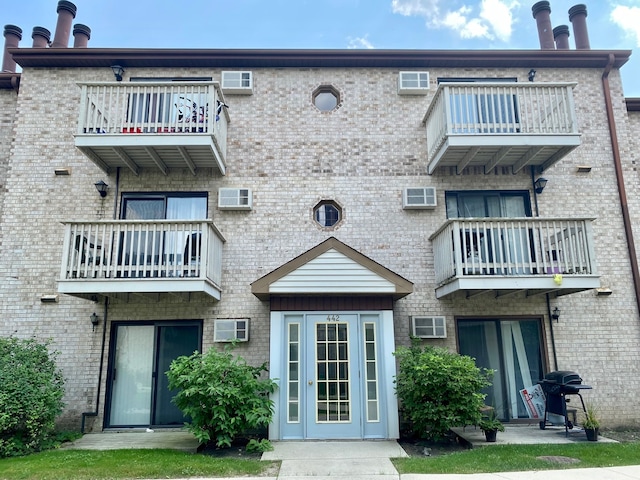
(9, 81)
(134, 57)
(633, 104)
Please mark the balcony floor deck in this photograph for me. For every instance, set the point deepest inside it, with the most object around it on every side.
(530, 285)
(493, 151)
(153, 151)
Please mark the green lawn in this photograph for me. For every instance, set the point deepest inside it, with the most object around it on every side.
(509, 458)
(121, 464)
(127, 464)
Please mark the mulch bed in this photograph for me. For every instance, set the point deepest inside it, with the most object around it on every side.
(236, 450)
(415, 447)
(418, 447)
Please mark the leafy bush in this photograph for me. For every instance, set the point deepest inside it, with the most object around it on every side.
(31, 391)
(222, 394)
(439, 389)
(259, 446)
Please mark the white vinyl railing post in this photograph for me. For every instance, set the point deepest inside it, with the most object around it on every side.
(520, 246)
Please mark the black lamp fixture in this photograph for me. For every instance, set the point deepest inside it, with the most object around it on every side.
(118, 70)
(539, 184)
(94, 320)
(555, 315)
(532, 75)
(102, 188)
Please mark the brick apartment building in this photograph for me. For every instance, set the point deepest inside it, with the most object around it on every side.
(322, 207)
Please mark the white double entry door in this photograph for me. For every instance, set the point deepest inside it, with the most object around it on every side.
(335, 372)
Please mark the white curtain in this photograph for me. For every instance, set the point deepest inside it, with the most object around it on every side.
(131, 393)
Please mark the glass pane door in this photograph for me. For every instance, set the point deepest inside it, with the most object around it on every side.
(512, 348)
(173, 342)
(333, 400)
(132, 375)
(138, 390)
(333, 407)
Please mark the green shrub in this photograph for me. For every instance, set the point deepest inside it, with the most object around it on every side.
(31, 391)
(439, 390)
(222, 394)
(259, 446)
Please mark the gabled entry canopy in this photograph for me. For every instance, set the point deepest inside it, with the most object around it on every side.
(332, 268)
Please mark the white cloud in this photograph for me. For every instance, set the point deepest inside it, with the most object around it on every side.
(422, 8)
(454, 20)
(497, 13)
(475, 29)
(359, 42)
(493, 20)
(628, 18)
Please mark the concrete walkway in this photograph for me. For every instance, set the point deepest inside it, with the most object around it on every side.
(336, 459)
(173, 439)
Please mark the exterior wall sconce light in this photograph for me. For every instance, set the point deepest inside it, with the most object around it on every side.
(555, 315)
(102, 188)
(532, 75)
(94, 320)
(117, 72)
(539, 184)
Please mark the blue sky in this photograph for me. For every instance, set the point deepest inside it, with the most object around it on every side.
(339, 24)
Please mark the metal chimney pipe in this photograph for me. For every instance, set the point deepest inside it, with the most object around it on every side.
(561, 36)
(81, 35)
(578, 18)
(12, 37)
(542, 13)
(66, 14)
(41, 37)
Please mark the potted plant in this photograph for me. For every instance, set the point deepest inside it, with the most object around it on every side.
(591, 423)
(490, 425)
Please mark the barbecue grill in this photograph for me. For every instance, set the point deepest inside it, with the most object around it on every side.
(556, 386)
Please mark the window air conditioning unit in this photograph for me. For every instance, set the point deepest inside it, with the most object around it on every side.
(235, 199)
(429, 327)
(419, 197)
(231, 329)
(413, 83)
(237, 83)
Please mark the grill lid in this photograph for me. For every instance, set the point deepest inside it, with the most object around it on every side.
(563, 377)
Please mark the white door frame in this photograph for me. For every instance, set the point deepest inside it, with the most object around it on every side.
(386, 347)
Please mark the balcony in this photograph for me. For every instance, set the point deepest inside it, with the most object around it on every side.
(141, 257)
(153, 125)
(506, 256)
(493, 125)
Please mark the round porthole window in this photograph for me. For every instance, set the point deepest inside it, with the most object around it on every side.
(326, 98)
(327, 213)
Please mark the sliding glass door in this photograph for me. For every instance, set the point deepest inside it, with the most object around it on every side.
(513, 349)
(138, 393)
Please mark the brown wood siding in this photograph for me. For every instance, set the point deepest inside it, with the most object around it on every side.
(330, 303)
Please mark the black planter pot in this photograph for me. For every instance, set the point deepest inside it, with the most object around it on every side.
(490, 435)
(592, 434)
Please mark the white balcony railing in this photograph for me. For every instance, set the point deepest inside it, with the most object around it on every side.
(499, 247)
(495, 115)
(157, 113)
(142, 250)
